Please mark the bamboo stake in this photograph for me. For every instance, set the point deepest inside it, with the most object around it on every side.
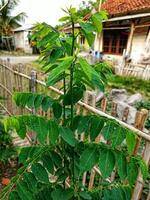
(104, 104)
(83, 136)
(140, 182)
(114, 109)
(139, 124)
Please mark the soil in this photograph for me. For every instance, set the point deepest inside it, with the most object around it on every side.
(7, 171)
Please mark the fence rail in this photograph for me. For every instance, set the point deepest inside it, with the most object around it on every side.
(137, 70)
(18, 78)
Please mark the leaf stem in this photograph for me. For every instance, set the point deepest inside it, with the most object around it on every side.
(71, 73)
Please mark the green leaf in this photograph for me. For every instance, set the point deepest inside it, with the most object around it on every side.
(21, 98)
(132, 171)
(38, 101)
(56, 54)
(127, 192)
(55, 73)
(117, 193)
(118, 136)
(87, 27)
(85, 195)
(144, 169)
(97, 20)
(27, 153)
(131, 141)
(108, 130)
(44, 194)
(78, 92)
(47, 103)
(88, 30)
(56, 159)
(114, 193)
(90, 38)
(14, 196)
(64, 194)
(121, 165)
(63, 19)
(23, 191)
(88, 159)
(40, 172)
(57, 110)
(76, 121)
(106, 162)
(91, 74)
(41, 128)
(31, 99)
(53, 131)
(21, 131)
(31, 181)
(84, 124)
(48, 39)
(48, 163)
(97, 124)
(68, 136)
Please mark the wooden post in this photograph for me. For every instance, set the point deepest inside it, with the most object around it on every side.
(139, 124)
(114, 109)
(104, 104)
(130, 39)
(33, 89)
(140, 182)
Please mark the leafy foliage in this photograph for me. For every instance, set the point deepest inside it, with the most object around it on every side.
(7, 150)
(58, 159)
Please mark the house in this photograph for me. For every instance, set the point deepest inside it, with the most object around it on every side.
(21, 37)
(127, 30)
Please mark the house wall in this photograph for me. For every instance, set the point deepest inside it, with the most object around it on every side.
(21, 41)
(138, 44)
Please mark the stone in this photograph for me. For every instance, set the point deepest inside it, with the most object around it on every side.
(132, 112)
(135, 99)
(119, 95)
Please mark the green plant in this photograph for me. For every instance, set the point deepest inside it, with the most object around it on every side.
(7, 150)
(54, 165)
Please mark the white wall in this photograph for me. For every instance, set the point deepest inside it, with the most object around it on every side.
(138, 45)
(21, 41)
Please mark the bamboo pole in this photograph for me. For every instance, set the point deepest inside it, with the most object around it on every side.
(91, 109)
(130, 39)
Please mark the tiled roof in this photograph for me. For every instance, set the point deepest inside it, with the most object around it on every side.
(115, 7)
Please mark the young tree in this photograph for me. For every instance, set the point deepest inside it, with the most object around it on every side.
(54, 165)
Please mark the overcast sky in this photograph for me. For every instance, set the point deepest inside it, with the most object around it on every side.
(44, 10)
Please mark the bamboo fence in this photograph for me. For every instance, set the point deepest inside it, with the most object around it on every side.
(136, 70)
(19, 78)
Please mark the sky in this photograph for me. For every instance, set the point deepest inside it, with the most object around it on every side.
(48, 11)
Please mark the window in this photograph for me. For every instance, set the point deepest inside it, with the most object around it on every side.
(115, 42)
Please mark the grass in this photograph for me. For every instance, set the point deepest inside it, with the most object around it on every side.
(131, 84)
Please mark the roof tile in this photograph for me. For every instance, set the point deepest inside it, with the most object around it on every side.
(115, 7)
